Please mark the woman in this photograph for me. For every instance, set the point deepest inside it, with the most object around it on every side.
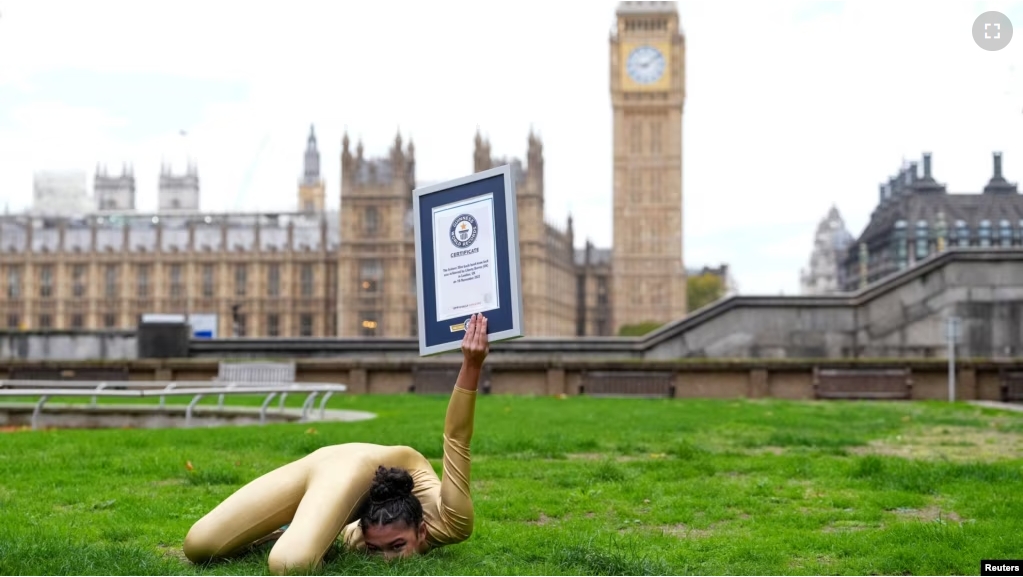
(381, 499)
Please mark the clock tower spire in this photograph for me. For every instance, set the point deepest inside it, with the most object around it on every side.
(311, 188)
(647, 52)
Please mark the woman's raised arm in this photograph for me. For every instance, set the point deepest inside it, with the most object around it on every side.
(455, 501)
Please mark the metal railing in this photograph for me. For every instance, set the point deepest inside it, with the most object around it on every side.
(162, 389)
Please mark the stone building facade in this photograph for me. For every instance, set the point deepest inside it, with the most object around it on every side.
(260, 274)
(546, 252)
(377, 294)
(105, 271)
(309, 273)
(916, 217)
(826, 271)
(377, 259)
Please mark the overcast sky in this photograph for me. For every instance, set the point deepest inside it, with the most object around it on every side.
(791, 107)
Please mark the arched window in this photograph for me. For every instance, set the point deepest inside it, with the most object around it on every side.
(922, 239)
(984, 233)
(1005, 233)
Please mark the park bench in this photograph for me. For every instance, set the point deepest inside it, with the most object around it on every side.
(862, 383)
(432, 380)
(255, 374)
(1011, 385)
(648, 384)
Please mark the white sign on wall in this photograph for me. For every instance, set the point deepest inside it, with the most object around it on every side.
(204, 326)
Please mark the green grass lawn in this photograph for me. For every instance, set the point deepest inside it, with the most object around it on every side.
(565, 486)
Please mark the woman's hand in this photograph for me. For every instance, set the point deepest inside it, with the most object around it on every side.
(476, 343)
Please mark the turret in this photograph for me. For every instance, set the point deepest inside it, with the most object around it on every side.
(481, 154)
(570, 233)
(410, 163)
(534, 158)
(397, 154)
(346, 157)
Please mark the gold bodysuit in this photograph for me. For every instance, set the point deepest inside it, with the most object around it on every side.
(321, 495)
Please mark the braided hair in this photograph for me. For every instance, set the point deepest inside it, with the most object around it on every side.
(391, 500)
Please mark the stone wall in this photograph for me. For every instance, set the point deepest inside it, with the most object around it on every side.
(902, 317)
(67, 345)
(753, 378)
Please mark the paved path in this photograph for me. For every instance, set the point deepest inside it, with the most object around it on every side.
(996, 405)
(152, 416)
(337, 415)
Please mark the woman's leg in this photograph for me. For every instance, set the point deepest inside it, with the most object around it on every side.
(331, 501)
(255, 510)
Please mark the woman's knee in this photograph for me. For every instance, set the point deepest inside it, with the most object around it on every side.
(285, 560)
(201, 543)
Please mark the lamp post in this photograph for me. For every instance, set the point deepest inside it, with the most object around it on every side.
(951, 334)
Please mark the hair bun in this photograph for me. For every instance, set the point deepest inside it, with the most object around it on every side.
(390, 484)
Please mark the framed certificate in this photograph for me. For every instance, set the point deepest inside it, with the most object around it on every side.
(467, 259)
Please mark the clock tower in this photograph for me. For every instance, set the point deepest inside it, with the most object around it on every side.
(647, 95)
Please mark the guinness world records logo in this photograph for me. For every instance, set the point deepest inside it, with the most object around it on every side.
(463, 231)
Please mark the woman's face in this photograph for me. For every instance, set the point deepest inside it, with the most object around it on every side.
(393, 541)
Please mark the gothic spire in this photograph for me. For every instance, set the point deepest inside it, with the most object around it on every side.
(311, 172)
(311, 142)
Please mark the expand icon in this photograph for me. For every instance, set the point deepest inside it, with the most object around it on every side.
(992, 31)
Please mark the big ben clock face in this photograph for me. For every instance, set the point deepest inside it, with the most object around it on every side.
(645, 65)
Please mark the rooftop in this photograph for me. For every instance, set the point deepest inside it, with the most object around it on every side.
(113, 219)
(973, 210)
(598, 256)
(647, 8)
(139, 232)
